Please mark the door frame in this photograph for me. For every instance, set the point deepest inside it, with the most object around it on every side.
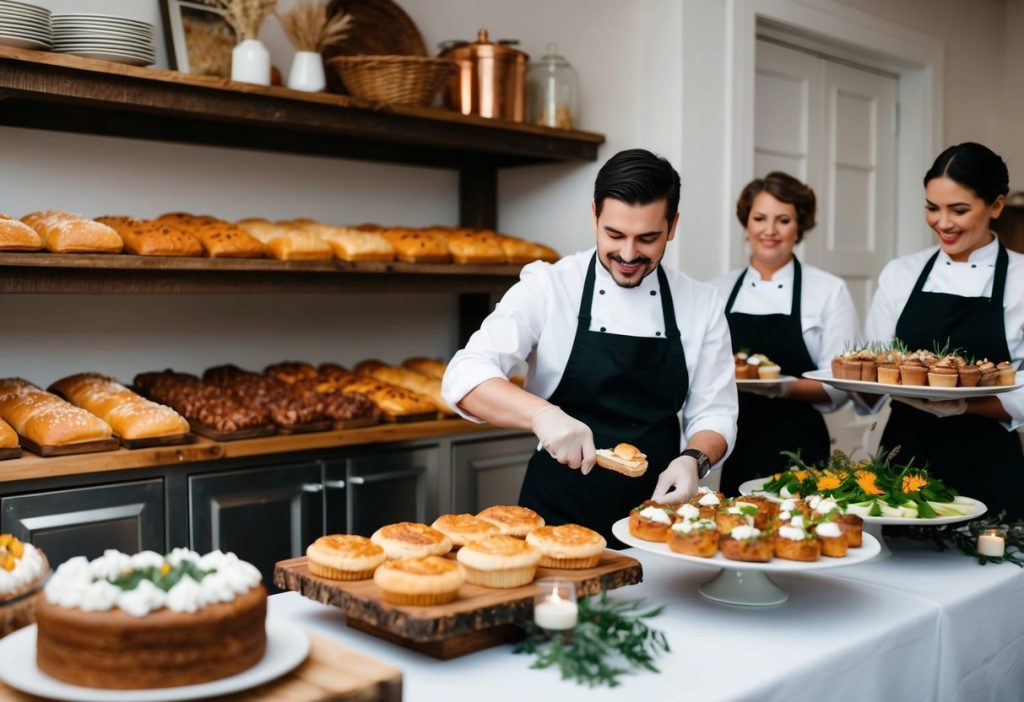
(844, 33)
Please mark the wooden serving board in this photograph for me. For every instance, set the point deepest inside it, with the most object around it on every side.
(309, 428)
(331, 672)
(481, 617)
(70, 449)
(403, 418)
(9, 453)
(149, 442)
(356, 422)
(211, 433)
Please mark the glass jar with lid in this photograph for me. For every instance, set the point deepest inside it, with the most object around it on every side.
(553, 91)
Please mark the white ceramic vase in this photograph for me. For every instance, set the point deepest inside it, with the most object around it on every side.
(250, 62)
(307, 72)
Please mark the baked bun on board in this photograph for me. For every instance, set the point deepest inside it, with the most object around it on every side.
(624, 458)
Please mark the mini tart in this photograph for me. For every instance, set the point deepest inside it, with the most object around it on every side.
(968, 376)
(500, 561)
(766, 509)
(430, 580)
(733, 514)
(805, 548)
(568, 546)
(942, 376)
(464, 528)
(852, 526)
(411, 540)
(645, 524)
(344, 557)
(913, 374)
(833, 541)
(694, 538)
(768, 372)
(1007, 374)
(512, 519)
(755, 549)
(889, 375)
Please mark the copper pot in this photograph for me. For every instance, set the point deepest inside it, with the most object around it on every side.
(490, 80)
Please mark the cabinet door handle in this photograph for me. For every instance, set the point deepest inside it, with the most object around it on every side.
(357, 480)
(312, 487)
(382, 477)
(334, 484)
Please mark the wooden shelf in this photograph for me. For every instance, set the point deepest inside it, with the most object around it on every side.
(30, 467)
(43, 90)
(98, 273)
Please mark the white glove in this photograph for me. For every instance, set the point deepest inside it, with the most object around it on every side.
(680, 477)
(776, 390)
(940, 408)
(569, 441)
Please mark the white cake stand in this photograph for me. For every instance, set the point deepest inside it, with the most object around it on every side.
(743, 583)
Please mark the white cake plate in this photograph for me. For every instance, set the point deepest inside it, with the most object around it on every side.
(741, 582)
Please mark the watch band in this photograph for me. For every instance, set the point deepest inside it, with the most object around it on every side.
(703, 462)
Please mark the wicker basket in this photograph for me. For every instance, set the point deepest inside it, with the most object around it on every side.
(397, 80)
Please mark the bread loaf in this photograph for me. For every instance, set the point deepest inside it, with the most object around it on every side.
(418, 245)
(350, 243)
(285, 242)
(129, 415)
(45, 418)
(144, 237)
(417, 382)
(18, 236)
(8, 437)
(430, 367)
(476, 246)
(66, 232)
(220, 239)
(392, 401)
(521, 251)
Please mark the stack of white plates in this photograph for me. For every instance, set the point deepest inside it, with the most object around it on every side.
(24, 26)
(117, 39)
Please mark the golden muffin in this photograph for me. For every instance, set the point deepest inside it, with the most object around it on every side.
(794, 543)
(512, 519)
(651, 521)
(568, 546)
(694, 537)
(746, 543)
(834, 543)
(411, 540)
(430, 580)
(464, 528)
(344, 557)
(499, 561)
(852, 526)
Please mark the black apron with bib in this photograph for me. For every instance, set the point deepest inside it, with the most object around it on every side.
(974, 455)
(767, 426)
(626, 389)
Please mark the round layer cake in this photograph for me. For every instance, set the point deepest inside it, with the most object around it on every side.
(146, 621)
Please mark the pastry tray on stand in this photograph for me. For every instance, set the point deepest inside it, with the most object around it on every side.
(742, 582)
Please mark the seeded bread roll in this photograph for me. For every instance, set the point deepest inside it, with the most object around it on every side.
(463, 528)
(286, 242)
(45, 418)
(66, 232)
(353, 244)
(512, 519)
(144, 237)
(567, 546)
(129, 415)
(417, 245)
(476, 246)
(18, 236)
(521, 251)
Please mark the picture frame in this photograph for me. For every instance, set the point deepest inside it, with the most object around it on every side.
(199, 39)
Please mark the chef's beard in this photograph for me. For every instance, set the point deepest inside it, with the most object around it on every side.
(648, 269)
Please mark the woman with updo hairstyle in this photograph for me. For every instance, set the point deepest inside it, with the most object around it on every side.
(966, 294)
(798, 316)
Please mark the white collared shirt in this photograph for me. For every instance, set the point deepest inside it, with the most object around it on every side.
(828, 317)
(535, 324)
(971, 278)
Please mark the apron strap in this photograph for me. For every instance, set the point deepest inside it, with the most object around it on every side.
(999, 282)
(794, 309)
(668, 310)
(925, 272)
(587, 300)
(735, 292)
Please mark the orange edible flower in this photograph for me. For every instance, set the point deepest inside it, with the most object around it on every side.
(801, 475)
(913, 483)
(165, 569)
(5, 539)
(828, 482)
(16, 548)
(8, 562)
(866, 481)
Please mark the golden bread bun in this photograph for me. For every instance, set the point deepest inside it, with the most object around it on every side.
(411, 540)
(344, 557)
(512, 519)
(464, 528)
(422, 581)
(624, 458)
(567, 546)
(499, 561)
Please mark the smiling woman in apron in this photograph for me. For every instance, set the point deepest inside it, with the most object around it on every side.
(616, 344)
(797, 315)
(967, 292)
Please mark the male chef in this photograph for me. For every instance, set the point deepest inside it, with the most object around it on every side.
(616, 346)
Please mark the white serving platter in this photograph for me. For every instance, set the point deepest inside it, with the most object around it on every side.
(921, 392)
(754, 382)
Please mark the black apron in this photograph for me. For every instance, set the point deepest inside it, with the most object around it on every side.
(766, 426)
(974, 455)
(626, 389)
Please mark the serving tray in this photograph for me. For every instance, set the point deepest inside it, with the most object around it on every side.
(70, 449)
(252, 433)
(481, 617)
(148, 442)
(8, 453)
(921, 392)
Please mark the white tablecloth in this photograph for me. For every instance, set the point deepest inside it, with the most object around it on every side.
(921, 625)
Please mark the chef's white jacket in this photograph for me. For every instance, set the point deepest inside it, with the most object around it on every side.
(971, 278)
(535, 324)
(828, 318)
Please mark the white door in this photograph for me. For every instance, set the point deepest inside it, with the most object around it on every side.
(833, 125)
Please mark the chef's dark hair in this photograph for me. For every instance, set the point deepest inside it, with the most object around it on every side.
(638, 177)
(973, 166)
(784, 188)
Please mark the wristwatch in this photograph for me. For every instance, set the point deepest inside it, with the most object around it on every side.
(703, 462)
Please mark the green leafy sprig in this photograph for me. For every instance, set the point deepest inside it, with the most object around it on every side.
(611, 639)
(965, 538)
(130, 579)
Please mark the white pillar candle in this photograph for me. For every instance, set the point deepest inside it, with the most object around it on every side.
(990, 543)
(555, 614)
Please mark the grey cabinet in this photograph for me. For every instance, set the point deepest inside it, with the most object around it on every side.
(263, 515)
(86, 521)
(381, 487)
(489, 471)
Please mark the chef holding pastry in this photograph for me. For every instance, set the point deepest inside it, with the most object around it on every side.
(616, 346)
(967, 293)
(796, 315)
